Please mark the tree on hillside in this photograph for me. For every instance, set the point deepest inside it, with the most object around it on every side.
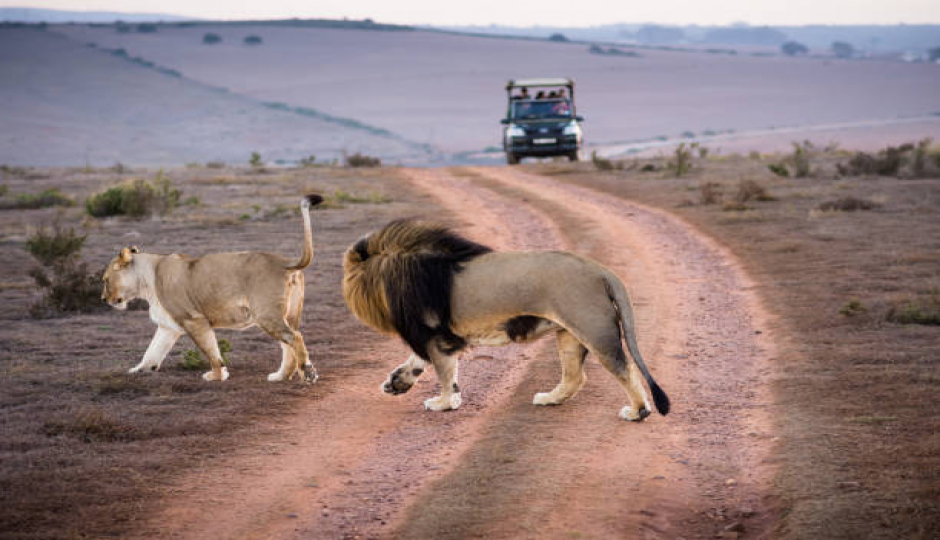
(209, 38)
(557, 37)
(793, 48)
(934, 54)
(843, 49)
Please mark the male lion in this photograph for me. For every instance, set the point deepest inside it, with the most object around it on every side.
(440, 293)
(222, 290)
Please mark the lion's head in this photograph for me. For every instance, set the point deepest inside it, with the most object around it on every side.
(399, 279)
(120, 280)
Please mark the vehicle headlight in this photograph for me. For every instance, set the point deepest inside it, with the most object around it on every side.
(572, 128)
(515, 131)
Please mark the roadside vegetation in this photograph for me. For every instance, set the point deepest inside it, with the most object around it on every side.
(135, 198)
(843, 247)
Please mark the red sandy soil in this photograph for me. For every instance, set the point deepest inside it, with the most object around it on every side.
(361, 464)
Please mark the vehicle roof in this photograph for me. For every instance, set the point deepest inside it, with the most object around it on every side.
(558, 81)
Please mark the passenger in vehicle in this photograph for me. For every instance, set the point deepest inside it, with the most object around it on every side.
(540, 95)
(523, 95)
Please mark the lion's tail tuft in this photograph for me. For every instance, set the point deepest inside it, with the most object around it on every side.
(307, 257)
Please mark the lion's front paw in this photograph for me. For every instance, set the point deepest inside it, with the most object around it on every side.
(211, 376)
(629, 413)
(396, 384)
(441, 403)
(546, 398)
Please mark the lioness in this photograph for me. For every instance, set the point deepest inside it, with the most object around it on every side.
(222, 290)
(440, 293)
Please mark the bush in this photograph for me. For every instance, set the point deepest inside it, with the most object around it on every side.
(32, 201)
(909, 159)
(711, 193)
(146, 28)
(255, 160)
(923, 310)
(800, 159)
(558, 37)
(68, 287)
(194, 361)
(136, 198)
(309, 161)
(842, 49)
(846, 204)
(600, 163)
(211, 39)
(682, 162)
(362, 160)
(779, 169)
(749, 190)
(793, 48)
(253, 40)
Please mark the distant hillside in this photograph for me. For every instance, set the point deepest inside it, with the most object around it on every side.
(35, 15)
(871, 38)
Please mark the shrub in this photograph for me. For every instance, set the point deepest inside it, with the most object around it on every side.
(253, 40)
(602, 164)
(558, 37)
(194, 361)
(800, 159)
(3, 189)
(340, 196)
(136, 198)
(682, 162)
(923, 310)
(842, 49)
(853, 308)
(779, 169)
(68, 287)
(308, 161)
(793, 48)
(749, 190)
(211, 39)
(711, 192)
(255, 160)
(146, 28)
(362, 160)
(909, 159)
(32, 201)
(846, 204)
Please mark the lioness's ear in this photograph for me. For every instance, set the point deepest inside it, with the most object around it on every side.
(126, 256)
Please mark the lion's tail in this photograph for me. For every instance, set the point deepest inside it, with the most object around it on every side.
(307, 257)
(618, 296)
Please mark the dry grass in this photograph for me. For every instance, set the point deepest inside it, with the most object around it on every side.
(855, 384)
(87, 448)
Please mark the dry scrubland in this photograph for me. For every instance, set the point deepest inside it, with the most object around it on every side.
(410, 97)
(849, 265)
(87, 447)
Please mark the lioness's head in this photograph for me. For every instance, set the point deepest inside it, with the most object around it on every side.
(120, 280)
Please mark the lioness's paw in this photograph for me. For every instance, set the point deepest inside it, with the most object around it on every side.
(546, 398)
(276, 376)
(441, 404)
(211, 376)
(628, 413)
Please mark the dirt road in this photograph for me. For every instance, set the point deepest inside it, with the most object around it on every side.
(360, 464)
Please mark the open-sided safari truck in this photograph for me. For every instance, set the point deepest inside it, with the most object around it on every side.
(541, 120)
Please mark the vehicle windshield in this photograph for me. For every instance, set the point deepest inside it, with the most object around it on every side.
(535, 109)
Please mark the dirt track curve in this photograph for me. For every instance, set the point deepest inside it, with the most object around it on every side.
(360, 464)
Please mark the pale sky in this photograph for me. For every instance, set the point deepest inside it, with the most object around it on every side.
(531, 12)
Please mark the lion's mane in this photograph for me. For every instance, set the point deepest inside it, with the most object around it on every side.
(399, 279)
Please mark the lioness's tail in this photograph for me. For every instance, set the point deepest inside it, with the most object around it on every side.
(618, 296)
(307, 257)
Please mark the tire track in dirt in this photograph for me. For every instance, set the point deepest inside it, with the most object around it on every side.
(348, 464)
(577, 470)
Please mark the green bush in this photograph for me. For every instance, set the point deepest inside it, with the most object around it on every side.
(682, 162)
(211, 39)
(923, 310)
(255, 160)
(136, 198)
(800, 159)
(362, 160)
(194, 361)
(779, 169)
(32, 201)
(67, 285)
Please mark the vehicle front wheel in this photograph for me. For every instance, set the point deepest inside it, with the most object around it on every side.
(573, 155)
(512, 159)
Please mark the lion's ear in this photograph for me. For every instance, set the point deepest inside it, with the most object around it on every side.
(126, 255)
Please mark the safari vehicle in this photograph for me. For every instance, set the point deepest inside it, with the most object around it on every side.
(541, 120)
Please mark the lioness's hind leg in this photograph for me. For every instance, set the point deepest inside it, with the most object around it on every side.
(204, 338)
(293, 312)
(571, 353)
(292, 344)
